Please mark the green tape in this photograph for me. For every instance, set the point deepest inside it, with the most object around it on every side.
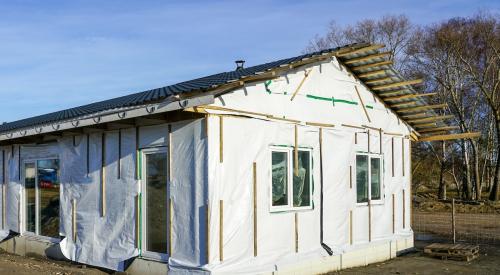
(369, 106)
(331, 99)
(266, 84)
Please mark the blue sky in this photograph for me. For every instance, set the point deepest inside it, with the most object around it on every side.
(61, 54)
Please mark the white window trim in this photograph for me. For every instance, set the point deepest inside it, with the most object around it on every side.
(382, 185)
(290, 151)
(161, 257)
(23, 217)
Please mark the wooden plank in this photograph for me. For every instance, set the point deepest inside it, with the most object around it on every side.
(362, 103)
(221, 139)
(392, 155)
(296, 232)
(377, 80)
(398, 105)
(350, 176)
(421, 126)
(320, 124)
(415, 115)
(438, 129)
(384, 94)
(353, 126)
(451, 137)
(360, 50)
(73, 219)
(397, 84)
(380, 140)
(221, 230)
(170, 226)
(372, 73)
(393, 214)
(422, 108)
(254, 209)
(366, 58)
(371, 65)
(403, 155)
(429, 119)
(306, 74)
(296, 151)
(368, 140)
(401, 97)
(350, 228)
(103, 175)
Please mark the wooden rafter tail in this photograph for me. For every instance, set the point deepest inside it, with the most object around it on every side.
(360, 50)
(401, 97)
(428, 119)
(430, 124)
(372, 73)
(384, 94)
(451, 137)
(436, 133)
(397, 105)
(422, 108)
(397, 84)
(415, 115)
(438, 129)
(377, 80)
(371, 65)
(367, 58)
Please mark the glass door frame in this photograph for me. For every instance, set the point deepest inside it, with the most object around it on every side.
(23, 212)
(143, 218)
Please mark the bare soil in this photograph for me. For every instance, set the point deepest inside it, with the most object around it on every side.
(416, 263)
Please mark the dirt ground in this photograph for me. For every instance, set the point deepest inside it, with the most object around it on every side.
(416, 263)
(18, 265)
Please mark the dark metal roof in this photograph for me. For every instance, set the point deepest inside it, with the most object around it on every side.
(199, 84)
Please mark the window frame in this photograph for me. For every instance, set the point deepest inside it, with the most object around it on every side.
(23, 210)
(144, 253)
(289, 150)
(382, 186)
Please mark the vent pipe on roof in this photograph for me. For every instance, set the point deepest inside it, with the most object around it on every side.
(239, 64)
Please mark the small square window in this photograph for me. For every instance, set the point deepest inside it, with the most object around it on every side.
(368, 178)
(291, 189)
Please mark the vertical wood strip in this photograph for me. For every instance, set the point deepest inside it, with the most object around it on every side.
(221, 139)
(362, 103)
(221, 230)
(207, 221)
(369, 221)
(170, 225)
(350, 228)
(137, 147)
(88, 154)
(392, 155)
(296, 151)
(403, 155)
(296, 232)
(404, 209)
(393, 214)
(350, 176)
(119, 161)
(355, 138)
(368, 139)
(103, 175)
(206, 124)
(255, 209)
(380, 139)
(137, 221)
(73, 220)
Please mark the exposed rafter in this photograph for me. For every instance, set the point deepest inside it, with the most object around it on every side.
(422, 108)
(450, 136)
(383, 94)
(438, 129)
(397, 84)
(397, 105)
(371, 65)
(372, 73)
(401, 97)
(361, 50)
(377, 80)
(428, 119)
(366, 58)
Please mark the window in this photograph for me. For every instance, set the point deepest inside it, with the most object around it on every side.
(368, 178)
(41, 197)
(290, 189)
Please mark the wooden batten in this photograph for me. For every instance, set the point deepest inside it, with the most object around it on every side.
(350, 176)
(377, 80)
(296, 151)
(403, 155)
(371, 65)
(397, 84)
(384, 94)
(366, 58)
(401, 97)
(221, 139)
(439, 129)
(372, 73)
(406, 103)
(360, 50)
(296, 232)
(429, 119)
(362, 103)
(393, 214)
(392, 156)
(451, 136)
(423, 125)
(221, 230)
(422, 108)
(350, 228)
(404, 209)
(415, 115)
(254, 170)
(306, 74)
